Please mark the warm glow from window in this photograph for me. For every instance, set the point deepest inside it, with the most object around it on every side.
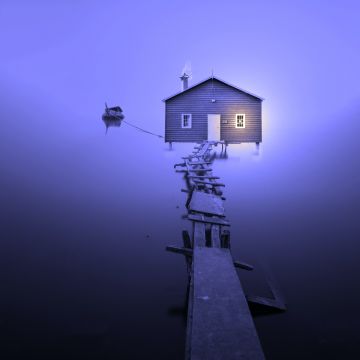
(240, 121)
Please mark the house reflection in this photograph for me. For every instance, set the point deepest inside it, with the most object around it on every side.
(220, 155)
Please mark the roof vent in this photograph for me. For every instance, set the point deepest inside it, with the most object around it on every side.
(185, 81)
(186, 76)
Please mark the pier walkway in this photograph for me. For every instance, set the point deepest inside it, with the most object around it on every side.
(219, 322)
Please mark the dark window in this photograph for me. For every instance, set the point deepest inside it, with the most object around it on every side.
(186, 121)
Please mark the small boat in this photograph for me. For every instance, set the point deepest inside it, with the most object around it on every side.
(113, 114)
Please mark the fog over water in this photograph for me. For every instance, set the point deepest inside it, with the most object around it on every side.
(85, 217)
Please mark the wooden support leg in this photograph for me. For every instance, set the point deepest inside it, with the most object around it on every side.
(187, 245)
(199, 238)
(215, 235)
(225, 239)
(186, 239)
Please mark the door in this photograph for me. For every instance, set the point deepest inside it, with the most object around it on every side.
(214, 127)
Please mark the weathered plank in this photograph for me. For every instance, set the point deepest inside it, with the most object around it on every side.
(197, 170)
(203, 176)
(208, 183)
(220, 321)
(199, 163)
(208, 219)
(206, 203)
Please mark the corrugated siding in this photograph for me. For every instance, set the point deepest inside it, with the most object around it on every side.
(229, 102)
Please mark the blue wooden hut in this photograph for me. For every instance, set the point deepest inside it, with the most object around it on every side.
(213, 110)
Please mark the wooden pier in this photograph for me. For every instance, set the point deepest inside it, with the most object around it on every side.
(219, 322)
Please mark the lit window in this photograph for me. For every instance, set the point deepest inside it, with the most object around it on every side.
(186, 121)
(240, 121)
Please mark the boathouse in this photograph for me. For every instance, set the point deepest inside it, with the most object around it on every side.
(213, 110)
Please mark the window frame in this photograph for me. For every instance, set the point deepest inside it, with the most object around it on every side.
(236, 121)
(189, 126)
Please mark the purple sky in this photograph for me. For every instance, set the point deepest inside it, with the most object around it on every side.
(61, 60)
(301, 56)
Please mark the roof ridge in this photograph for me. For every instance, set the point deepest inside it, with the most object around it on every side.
(218, 79)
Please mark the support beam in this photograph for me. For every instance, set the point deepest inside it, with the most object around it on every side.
(270, 303)
(179, 250)
(188, 252)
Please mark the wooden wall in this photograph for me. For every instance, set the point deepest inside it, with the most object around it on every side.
(229, 101)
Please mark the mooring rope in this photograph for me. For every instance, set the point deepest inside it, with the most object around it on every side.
(140, 129)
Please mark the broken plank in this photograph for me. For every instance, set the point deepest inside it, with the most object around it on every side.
(242, 265)
(206, 203)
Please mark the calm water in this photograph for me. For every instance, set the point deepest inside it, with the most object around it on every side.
(85, 218)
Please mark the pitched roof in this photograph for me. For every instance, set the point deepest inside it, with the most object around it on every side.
(214, 78)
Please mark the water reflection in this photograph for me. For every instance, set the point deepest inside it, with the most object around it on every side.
(220, 155)
(76, 261)
(111, 123)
